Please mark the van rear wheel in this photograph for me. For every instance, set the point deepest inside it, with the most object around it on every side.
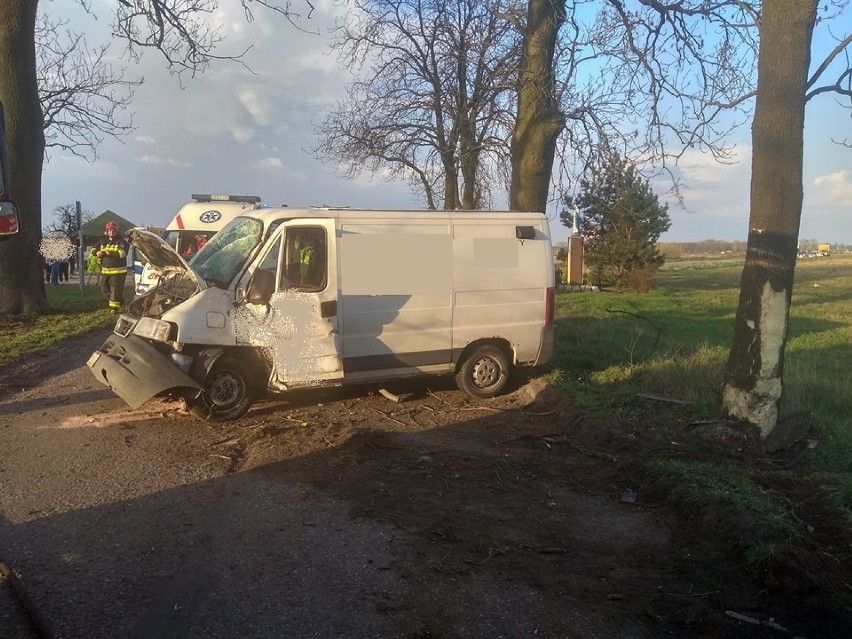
(226, 391)
(485, 373)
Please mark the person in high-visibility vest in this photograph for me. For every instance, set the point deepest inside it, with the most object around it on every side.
(93, 268)
(306, 256)
(112, 252)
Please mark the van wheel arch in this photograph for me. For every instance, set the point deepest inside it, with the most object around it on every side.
(229, 380)
(484, 368)
(206, 358)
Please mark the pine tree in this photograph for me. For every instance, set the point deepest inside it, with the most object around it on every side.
(621, 221)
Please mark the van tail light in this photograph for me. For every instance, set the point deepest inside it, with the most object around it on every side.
(550, 306)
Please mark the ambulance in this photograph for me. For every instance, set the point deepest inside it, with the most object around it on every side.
(282, 299)
(195, 223)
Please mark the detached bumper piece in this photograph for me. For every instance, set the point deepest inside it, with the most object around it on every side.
(135, 370)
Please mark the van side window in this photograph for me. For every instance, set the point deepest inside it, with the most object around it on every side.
(305, 258)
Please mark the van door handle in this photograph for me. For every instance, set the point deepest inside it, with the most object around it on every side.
(328, 308)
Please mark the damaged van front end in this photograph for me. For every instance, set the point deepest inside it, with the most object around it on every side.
(170, 339)
(135, 369)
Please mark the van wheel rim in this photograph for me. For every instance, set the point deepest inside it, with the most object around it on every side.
(225, 390)
(486, 372)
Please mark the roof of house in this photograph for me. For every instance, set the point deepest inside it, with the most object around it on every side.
(95, 228)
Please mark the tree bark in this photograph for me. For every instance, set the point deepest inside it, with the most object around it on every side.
(539, 121)
(752, 386)
(21, 276)
(451, 181)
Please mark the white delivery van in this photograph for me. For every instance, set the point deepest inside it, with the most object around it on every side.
(195, 223)
(285, 298)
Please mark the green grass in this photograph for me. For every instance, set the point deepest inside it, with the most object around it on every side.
(675, 340)
(730, 489)
(764, 523)
(72, 313)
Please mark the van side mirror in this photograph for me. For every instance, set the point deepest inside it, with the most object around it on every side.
(10, 222)
(261, 288)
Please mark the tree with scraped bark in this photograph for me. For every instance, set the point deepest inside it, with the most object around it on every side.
(753, 385)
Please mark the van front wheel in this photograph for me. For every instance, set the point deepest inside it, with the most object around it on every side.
(226, 392)
(485, 373)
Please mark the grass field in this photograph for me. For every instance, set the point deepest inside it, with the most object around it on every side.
(72, 313)
(674, 341)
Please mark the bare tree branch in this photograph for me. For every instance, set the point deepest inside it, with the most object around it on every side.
(432, 103)
(65, 220)
(181, 29)
(83, 97)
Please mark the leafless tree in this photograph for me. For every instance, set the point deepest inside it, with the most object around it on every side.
(182, 31)
(179, 29)
(653, 80)
(433, 102)
(634, 75)
(83, 96)
(540, 118)
(65, 221)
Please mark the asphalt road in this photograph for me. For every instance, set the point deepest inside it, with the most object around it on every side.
(122, 524)
(336, 515)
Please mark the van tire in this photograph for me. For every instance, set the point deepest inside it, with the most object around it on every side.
(485, 372)
(226, 393)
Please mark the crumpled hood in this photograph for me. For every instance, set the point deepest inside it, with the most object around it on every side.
(161, 255)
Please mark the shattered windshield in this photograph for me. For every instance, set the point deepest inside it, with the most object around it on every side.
(226, 254)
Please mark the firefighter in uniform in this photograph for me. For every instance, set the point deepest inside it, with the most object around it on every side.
(112, 253)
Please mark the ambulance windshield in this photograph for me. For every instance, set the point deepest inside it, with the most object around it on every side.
(187, 243)
(220, 259)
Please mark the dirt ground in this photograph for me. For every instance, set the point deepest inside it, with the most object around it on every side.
(524, 502)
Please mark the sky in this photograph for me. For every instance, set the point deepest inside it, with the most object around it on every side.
(240, 131)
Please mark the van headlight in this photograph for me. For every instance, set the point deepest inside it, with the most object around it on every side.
(151, 328)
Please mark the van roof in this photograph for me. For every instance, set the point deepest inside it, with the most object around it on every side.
(276, 213)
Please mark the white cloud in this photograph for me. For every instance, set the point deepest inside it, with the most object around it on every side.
(241, 134)
(277, 166)
(835, 189)
(701, 170)
(258, 106)
(158, 161)
(144, 139)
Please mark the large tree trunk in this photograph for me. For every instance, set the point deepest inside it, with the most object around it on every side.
(539, 121)
(753, 375)
(21, 276)
(469, 157)
(451, 181)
